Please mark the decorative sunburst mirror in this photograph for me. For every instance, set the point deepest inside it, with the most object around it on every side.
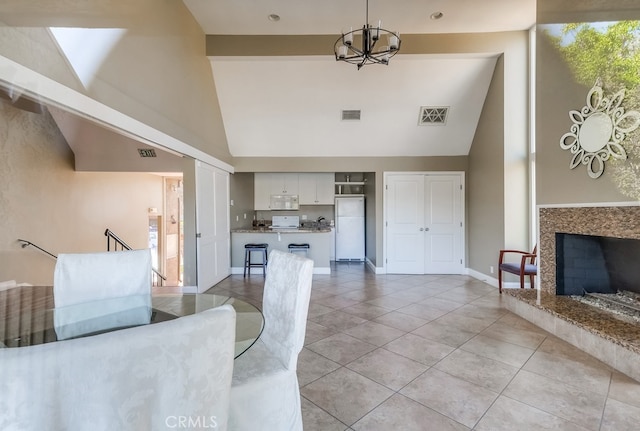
(598, 131)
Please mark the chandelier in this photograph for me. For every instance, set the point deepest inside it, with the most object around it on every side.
(368, 38)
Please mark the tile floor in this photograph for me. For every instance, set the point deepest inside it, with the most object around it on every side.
(406, 352)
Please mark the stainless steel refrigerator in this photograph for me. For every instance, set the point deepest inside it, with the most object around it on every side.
(350, 228)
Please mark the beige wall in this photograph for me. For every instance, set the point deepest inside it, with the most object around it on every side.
(157, 73)
(556, 94)
(241, 193)
(485, 193)
(43, 200)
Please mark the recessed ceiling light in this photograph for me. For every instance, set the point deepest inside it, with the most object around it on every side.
(273, 17)
(437, 15)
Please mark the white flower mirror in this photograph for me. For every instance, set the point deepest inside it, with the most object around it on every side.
(598, 130)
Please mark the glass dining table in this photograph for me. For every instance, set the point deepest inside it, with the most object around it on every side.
(27, 315)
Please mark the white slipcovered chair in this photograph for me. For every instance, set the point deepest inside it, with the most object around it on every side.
(94, 292)
(153, 377)
(264, 391)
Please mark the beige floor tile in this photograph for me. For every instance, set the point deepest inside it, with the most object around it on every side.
(401, 321)
(402, 413)
(491, 374)
(316, 332)
(422, 311)
(425, 351)
(620, 417)
(316, 419)
(316, 310)
(346, 395)
(312, 366)
(365, 311)
(446, 334)
(587, 376)
(509, 415)
(374, 333)
(441, 303)
(625, 389)
(341, 348)
(513, 335)
(389, 302)
(455, 398)
(387, 368)
(560, 399)
(338, 320)
(466, 323)
(491, 348)
(336, 301)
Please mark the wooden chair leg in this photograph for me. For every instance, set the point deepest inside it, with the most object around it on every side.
(499, 280)
(531, 280)
(521, 281)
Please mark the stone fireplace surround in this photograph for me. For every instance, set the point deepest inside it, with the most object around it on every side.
(613, 341)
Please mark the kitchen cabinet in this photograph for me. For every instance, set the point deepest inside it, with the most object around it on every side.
(273, 183)
(316, 188)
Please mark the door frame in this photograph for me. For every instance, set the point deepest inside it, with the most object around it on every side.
(463, 209)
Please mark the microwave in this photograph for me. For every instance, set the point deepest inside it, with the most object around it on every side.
(284, 202)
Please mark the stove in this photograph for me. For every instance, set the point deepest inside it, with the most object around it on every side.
(285, 222)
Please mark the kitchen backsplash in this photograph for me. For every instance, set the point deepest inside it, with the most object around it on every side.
(312, 213)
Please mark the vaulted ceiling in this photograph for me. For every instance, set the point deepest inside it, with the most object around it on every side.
(292, 105)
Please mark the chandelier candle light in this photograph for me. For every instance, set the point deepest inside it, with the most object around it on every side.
(369, 53)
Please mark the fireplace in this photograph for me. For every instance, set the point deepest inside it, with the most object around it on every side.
(619, 221)
(613, 340)
(596, 264)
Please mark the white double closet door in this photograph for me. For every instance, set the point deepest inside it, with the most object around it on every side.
(424, 223)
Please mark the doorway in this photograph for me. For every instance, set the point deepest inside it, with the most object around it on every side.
(424, 223)
(173, 232)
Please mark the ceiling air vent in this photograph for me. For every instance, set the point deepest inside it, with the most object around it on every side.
(433, 115)
(351, 115)
(147, 152)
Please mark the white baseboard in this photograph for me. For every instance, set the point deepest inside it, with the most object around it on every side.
(494, 281)
(375, 269)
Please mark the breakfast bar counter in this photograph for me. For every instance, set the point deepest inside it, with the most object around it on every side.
(319, 240)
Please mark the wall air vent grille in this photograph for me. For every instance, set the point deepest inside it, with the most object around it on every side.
(147, 152)
(433, 115)
(351, 115)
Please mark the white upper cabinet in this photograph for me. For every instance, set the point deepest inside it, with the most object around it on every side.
(267, 184)
(316, 188)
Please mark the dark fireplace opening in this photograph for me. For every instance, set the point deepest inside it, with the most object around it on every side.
(596, 264)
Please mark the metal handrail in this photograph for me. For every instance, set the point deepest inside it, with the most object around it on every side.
(26, 244)
(124, 246)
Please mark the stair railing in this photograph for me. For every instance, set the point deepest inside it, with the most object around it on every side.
(119, 245)
(24, 244)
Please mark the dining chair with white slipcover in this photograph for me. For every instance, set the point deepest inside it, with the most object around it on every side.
(151, 377)
(94, 292)
(264, 391)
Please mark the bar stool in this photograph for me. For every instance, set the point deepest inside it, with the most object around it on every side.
(248, 249)
(299, 247)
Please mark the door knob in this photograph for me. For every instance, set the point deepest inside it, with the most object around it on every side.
(426, 229)
(421, 229)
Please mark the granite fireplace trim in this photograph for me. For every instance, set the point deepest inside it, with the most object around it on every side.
(612, 341)
(621, 220)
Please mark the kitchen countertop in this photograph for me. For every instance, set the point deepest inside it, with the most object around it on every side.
(268, 230)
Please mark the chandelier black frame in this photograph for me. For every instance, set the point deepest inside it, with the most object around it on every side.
(345, 50)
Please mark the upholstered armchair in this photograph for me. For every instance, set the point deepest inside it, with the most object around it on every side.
(526, 266)
(264, 392)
